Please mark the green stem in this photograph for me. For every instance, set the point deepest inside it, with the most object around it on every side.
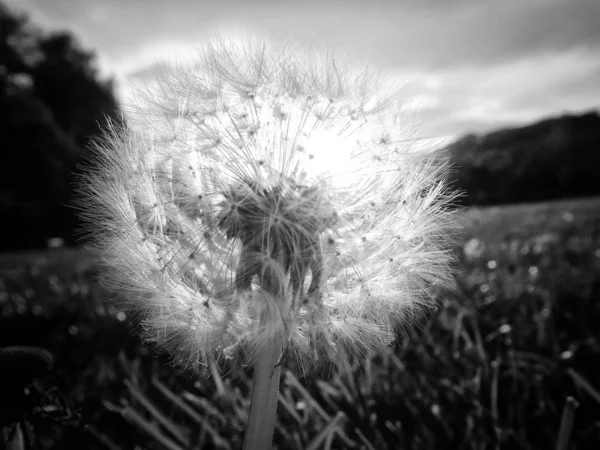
(265, 393)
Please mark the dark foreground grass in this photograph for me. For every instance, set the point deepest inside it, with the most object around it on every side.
(491, 369)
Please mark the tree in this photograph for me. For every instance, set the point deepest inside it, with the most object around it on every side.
(52, 102)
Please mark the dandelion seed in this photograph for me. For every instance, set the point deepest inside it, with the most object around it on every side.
(288, 207)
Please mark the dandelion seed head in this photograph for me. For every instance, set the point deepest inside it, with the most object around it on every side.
(259, 191)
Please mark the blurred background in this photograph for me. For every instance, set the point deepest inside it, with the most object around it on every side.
(511, 90)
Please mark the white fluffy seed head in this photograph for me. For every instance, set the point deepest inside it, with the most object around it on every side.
(256, 192)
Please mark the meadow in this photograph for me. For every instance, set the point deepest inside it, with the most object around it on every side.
(491, 368)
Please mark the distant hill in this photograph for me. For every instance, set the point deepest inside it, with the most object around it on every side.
(551, 159)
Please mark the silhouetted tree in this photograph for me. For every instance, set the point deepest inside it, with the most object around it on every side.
(51, 103)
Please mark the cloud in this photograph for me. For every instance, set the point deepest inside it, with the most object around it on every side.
(426, 34)
(472, 65)
(509, 93)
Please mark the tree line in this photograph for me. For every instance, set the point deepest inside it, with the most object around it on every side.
(551, 159)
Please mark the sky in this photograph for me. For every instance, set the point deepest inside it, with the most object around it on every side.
(468, 66)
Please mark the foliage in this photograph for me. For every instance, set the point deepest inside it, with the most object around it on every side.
(492, 368)
(51, 102)
(551, 159)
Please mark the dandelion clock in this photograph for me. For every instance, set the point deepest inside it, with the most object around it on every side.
(264, 201)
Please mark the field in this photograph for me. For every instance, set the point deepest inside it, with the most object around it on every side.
(492, 368)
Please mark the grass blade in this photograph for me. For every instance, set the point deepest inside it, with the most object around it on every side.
(566, 424)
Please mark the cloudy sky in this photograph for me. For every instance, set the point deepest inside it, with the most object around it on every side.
(469, 65)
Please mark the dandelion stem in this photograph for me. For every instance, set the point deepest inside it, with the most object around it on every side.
(265, 392)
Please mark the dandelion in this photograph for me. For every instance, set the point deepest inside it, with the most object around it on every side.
(261, 202)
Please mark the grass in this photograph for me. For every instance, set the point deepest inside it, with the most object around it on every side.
(510, 360)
